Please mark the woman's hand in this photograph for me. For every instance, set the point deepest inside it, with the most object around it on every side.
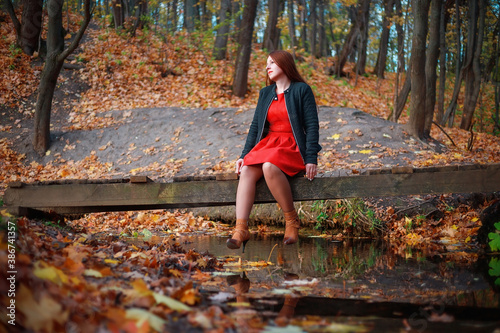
(311, 171)
(239, 165)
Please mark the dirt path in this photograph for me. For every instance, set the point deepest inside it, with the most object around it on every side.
(164, 142)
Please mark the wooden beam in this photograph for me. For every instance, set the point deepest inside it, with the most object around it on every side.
(118, 195)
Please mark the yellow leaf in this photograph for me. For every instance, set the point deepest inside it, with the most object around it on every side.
(4, 212)
(334, 137)
(141, 289)
(143, 316)
(365, 151)
(134, 171)
(50, 273)
(92, 273)
(111, 261)
(170, 302)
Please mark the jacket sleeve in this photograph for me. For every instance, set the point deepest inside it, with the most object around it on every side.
(311, 126)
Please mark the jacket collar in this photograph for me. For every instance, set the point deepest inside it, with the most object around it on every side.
(287, 90)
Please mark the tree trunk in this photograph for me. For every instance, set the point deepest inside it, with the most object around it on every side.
(205, 15)
(56, 54)
(272, 32)
(237, 15)
(442, 64)
(48, 81)
(29, 29)
(431, 65)
(351, 37)
(31, 26)
(415, 125)
(140, 12)
(473, 72)
(402, 97)
(332, 34)
(291, 26)
(240, 80)
(323, 49)
(363, 33)
(401, 35)
(189, 15)
(9, 9)
(450, 111)
(118, 13)
(172, 16)
(220, 45)
(312, 26)
(379, 69)
(346, 49)
(303, 24)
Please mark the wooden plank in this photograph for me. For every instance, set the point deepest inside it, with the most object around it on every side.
(139, 179)
(118, 196)
(227, 176)
(401, 169)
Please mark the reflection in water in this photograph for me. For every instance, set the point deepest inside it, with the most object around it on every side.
(252, 312)
(358, 269)
(241, 284)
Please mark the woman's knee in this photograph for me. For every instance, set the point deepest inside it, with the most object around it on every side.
(250, 173)
(270, 170)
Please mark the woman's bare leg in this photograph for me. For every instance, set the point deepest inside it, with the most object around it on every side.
(280, 188)
(278, 184)
(245, 195)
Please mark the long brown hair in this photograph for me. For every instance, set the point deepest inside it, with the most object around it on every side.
(285, 61)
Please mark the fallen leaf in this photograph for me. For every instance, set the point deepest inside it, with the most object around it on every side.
(142, 316)
(40, 315)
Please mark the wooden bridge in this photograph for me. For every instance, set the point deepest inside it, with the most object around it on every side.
(140, 193)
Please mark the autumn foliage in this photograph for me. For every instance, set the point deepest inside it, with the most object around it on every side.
(81, 273)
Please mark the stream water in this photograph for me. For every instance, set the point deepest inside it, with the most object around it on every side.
(374, 281)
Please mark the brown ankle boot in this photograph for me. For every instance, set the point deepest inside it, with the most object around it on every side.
(292, 227)
(240, 235)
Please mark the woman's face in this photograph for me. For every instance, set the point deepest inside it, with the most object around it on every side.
(274, 72)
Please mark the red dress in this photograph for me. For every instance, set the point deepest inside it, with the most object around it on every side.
(279, 146)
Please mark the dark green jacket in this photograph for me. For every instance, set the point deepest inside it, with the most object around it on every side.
(303, 115)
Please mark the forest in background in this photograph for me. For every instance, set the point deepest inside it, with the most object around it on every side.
(86, 275)
(444, 54)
